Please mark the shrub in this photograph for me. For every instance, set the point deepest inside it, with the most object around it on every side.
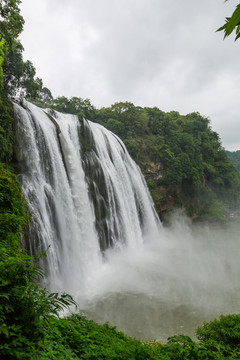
(224, 331)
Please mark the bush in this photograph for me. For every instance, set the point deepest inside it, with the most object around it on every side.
(224, 331)
(23, 305)
(13, 215)
(88, 340)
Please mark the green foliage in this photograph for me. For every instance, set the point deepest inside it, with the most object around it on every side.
(31, 329)
(81, 107)
(194, 167)
(225, 330)
(44, 96)
(88, 340)
(234, 156)
(222, 333)
(76, 337)
(181, 347)
(6, 132)
(23, 305)
(214, 210)
(1, 62)
(189, 153)
(12, 210)
(17, 77)
(11, 23)
(232, 23)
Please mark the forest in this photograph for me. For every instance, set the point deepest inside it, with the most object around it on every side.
(180, 155)
(234, 156)
(185, 166)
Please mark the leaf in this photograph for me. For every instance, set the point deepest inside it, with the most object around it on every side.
(4, 330)
(231, 23)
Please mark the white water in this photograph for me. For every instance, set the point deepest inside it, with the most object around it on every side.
(170, 286)
(57, 189)
(149, 281)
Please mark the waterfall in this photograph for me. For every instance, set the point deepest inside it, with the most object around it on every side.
(91, 213)
(85, 194)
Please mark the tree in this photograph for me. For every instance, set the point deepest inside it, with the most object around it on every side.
(1, 62)
(45, 96)
(232, 23)
(18, 76)
(11, 24)
(77, 106)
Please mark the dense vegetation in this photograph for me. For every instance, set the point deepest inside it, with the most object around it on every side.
(17, 77)
(234, 156)
(182, 157)
(31, 329)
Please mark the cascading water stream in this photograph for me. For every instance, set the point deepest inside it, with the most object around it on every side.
(83, 197)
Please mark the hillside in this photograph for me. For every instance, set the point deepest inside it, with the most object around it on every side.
(180, 156)
(234, 156)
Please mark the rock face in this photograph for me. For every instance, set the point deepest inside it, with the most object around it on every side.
(153, 171)
(164, 200)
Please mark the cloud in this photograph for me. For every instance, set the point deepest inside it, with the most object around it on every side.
(149, 52)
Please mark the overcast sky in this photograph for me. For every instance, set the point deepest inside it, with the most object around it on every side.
(149, 52)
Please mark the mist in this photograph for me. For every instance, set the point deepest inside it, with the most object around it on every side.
(148, 280)
(169, 284)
